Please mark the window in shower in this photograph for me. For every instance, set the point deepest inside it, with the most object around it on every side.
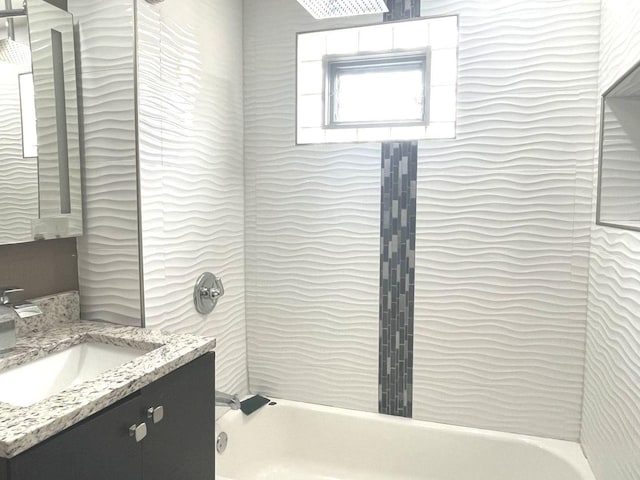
(392, 81)
(353, 87)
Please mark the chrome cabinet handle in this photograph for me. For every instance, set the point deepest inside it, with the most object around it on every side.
(139, 432)
(157, 414)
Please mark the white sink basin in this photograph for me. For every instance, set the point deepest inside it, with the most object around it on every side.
(32, 382)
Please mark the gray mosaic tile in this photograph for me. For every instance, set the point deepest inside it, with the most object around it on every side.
(397, 259)
(397, 274)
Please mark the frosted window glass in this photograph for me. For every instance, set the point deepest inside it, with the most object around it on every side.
(310, 78)
(407, 133)
(376, 39)
(374, 134)
(310, 111)
(443, 100)
(311, 135)
(444, 67)
(343, 42)
(441, 130)
(379, 95)
(312, 46)
(341, 135)
(413, 34)
(444, 32)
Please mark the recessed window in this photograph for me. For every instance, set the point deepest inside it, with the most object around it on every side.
(375, 90)
(378, 83)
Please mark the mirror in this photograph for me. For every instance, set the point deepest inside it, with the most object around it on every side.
(619, 168)
(40, 184)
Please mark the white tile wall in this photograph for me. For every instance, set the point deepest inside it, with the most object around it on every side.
(503, 226)
(108, 259)
(503, 222)
(312, 226)
(191, 160)
(611, 419)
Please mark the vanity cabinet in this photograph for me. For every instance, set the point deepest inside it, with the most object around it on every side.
(177, 412)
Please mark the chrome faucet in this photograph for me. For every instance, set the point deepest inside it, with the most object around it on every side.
(226, 400)
(8, 318)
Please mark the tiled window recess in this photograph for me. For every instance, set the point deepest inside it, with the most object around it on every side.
(439, 36)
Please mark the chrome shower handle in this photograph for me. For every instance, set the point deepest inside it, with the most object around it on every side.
(208, 290)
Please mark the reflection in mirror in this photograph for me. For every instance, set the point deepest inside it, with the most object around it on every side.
(40, 186)
(18, 149)
(54, 79)
(28, 111)
(619, 183)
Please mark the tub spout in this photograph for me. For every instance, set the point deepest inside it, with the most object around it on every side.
(227, 400)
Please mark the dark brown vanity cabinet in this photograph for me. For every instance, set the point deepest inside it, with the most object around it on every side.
(177, 412)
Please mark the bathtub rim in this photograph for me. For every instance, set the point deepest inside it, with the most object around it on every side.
(568, 451)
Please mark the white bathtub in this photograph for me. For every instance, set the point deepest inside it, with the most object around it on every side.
(298, 441)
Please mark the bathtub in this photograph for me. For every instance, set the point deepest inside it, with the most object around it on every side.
(299, 441)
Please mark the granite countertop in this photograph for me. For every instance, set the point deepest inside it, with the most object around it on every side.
(24, 427)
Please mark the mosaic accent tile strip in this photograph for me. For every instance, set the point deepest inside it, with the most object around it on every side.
(397, 260)
(402, 9)
(397, 274)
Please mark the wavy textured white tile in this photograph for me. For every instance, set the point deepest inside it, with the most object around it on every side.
(499, 319)
(192, 171)
(503, 222)
(620, 40)
(110, 171)
(109, 284)
(108, 259)
(105, 31)
(611, 419)
(527, 97)
(19, 180)
(312, 234)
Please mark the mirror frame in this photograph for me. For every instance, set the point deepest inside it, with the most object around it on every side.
(599, 220)
(59, 164)
(55, 203)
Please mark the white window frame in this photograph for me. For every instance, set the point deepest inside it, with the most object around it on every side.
(438, 34)
(395, 61)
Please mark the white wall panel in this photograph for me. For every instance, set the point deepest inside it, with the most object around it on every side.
(611, 418)
(19, 181)
(503, 222)
(191, 160)
(313, 226)
(503, 226)
(108, 257)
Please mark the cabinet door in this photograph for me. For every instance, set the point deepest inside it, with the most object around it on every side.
(181, 445)
(99, 448)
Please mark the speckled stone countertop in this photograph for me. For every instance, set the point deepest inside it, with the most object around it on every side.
(24, 427)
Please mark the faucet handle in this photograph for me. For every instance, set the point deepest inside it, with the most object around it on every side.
(6, 292)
